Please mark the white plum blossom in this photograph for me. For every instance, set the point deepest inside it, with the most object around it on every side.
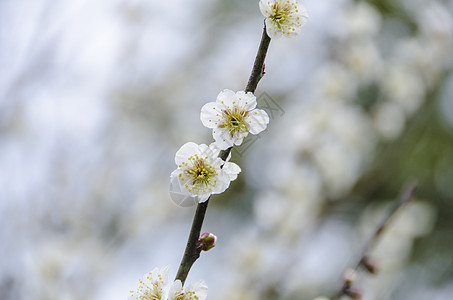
(283, 17)
(200, 173)
(232, 117)
(195, 291)
(151, 286)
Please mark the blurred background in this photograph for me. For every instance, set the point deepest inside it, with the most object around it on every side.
(97, 96)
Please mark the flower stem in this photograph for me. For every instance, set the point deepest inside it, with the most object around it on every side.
(258, 66)
(192, 252)
(405, 198)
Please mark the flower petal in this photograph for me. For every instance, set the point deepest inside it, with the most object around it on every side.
(257, 121)
(203, 197)
(185, 151)
(211, 114)
(200, 289)
(222, 183)
(232, 170)
(175, 290)
(265, 8)
(222, 138)
(227, 97)
(272, 30)
(246, 100)
(302, 14)
(178, 192)
(239, 138)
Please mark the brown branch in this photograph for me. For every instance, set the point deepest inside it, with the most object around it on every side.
(363, 261)
(258, 66)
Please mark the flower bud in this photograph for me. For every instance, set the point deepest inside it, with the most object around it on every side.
(370, 264)
(207, 241)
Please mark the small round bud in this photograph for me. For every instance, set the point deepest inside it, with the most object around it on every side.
(207, 241)
(349, 276)
(370, 265)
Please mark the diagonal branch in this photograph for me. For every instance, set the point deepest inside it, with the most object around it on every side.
(192, 252)
(405, 198)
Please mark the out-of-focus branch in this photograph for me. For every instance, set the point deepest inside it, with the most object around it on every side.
(364, 260)
(192, 251)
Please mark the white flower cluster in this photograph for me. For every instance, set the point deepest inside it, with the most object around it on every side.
(283, 17)
(201, 172)
(153, 284)
(232, 117)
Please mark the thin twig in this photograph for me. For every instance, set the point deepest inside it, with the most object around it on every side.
(405, 198)
(258, 66)
(192, 252)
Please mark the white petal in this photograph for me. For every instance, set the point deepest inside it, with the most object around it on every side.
(175, 290)
(246, 100)
(211, 114)
(215, 148)
(222, 138)
(203, 197)
(152, 277)
(257, 121)
(185, 151)
(164, 272)
(179, 193)
(303, 14)
(227, 97)
(203, 150)
(200, 288)
(265, 8)
(232, 170)
(272, 31)
(239, 137)
(223, 182)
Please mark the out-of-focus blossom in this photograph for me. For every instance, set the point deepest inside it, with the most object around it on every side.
(283, 17)
(403, 85)
(232, 117)
(195, 291)
(437, 21)
(200, 173)
(363, 58)
(152, 285)
(389, 120)
(361, 20)
(336, 81)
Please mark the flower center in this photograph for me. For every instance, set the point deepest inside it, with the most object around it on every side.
(187, 296)
(200, 172)
(234, 120)
(278, 12)
(282, 13)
